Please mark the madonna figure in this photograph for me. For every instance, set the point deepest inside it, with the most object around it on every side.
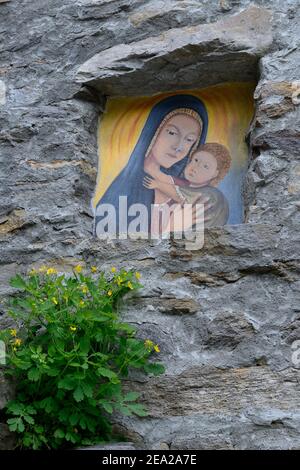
(175, 127)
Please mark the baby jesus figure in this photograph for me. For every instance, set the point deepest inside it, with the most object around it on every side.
(205, 168)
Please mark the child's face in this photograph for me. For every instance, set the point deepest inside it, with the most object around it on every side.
(202, 168)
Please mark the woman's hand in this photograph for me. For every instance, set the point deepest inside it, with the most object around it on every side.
(150, 183)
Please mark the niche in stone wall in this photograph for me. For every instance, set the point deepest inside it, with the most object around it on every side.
(178, 108)
(161, 154)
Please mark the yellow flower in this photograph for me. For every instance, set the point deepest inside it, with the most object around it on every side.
(14, 349)
(78, 268)
(129, 285)
(148, 344)
(54, 300)
(13, 332)
(156, 348)
(113, 269)
(94, 269)
(32, 272)
(73, 328)
(138, 275)
(51, 271)
(81, 303)
(43, 269)
(18, 342)
(84, 289)
(109, 293)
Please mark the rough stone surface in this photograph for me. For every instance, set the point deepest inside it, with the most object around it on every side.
(226, 316)
(115, 446)
(6, 390)
(227, 49)
(7, 439)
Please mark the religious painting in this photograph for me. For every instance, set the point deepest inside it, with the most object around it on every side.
(161, 154)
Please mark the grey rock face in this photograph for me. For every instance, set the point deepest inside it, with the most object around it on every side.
(115, 446)
(226, 317)
(7, 439)
(6, 390)
(228, 50)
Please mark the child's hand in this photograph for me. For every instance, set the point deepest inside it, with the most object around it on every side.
(150, 183)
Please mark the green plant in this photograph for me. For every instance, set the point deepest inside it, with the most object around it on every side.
(69, 355)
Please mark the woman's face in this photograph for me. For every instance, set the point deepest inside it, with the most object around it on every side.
(175, 139)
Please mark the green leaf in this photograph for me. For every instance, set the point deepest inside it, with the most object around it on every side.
(15, 408)
(53, 372)
(154, 368)
(84, 345)
(125, 410)
(18, 282)
(31, 410)
(99, 318)
(28, 441)
(71, 437)
(74, 419)
(91, 425)
(99, 336)
(29, 419)
(52, 351)
(20, 425)
(136, 346)
(131, 396)
(138, 409)
(48, 404)
(59, 434)
(107, 406)
(67, 383)
(24, 365)
(88, 389)
(11, 420)
(34, 375)
(82, 423)
(87, 442)
(39, 429)
(110, 389)
(107, 373)
(78, 394)
(12, 424)
(64, 415)
(126, 327)
(60, 394)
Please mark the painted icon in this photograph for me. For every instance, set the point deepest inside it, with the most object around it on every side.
(160, 154)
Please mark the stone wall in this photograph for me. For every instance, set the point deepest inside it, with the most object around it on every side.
(225, 316)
